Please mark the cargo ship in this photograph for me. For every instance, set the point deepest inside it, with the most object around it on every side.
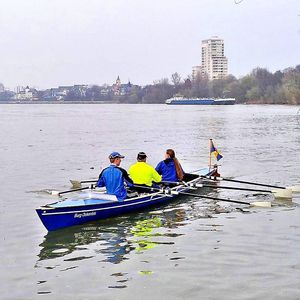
(200, 101)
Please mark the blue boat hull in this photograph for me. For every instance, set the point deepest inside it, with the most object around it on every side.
(56, 218)
(192, 102)
(94, 206)
(204, 101)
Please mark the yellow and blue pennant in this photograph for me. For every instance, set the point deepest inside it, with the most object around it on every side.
(214, 151)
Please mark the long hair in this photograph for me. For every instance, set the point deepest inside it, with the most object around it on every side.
(178, 168)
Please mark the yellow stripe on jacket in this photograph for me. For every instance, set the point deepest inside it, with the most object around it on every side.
(142, 173)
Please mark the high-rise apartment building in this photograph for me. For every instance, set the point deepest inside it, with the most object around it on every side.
(214, 63)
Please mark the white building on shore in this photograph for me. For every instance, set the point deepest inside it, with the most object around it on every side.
(26, 94)
(214, 63)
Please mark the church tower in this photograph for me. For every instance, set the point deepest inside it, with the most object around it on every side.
(118, 81)
(117, 86)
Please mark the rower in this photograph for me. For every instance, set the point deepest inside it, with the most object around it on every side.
(114, 177)
(170, 168)
(142, 173)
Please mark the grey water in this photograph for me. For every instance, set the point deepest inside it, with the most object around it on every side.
(189, 249)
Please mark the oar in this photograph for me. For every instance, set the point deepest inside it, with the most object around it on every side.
(258, 203)
(281, 192)
(57, 193)
(230, 188)
(200, 185)
(77, 184)
(169, 191)
(245, 182)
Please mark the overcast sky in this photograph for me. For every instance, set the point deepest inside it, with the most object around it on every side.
(47, 43)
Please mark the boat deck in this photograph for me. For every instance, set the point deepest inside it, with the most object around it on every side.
(83, 199)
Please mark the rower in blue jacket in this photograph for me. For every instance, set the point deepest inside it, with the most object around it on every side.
(170, 168)
(114, 177)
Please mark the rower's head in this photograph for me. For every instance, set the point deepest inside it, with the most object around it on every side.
(115, 158)
(170, 153)
(141, 157)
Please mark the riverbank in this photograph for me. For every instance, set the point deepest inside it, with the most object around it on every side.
(58, 102)
(115, 102)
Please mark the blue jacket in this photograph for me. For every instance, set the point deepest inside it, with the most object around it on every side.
(113, 179)
(167, 169)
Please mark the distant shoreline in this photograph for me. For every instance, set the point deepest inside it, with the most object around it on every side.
(111, 102)
(115, 102)
(60, 102)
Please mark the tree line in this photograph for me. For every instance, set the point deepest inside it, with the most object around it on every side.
(260, 87)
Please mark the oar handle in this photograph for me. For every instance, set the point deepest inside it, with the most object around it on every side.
(171, 182)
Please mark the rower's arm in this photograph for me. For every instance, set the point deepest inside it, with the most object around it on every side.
(155, 176)
(126, 176)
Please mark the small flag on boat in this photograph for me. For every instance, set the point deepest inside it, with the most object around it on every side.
(215, 151)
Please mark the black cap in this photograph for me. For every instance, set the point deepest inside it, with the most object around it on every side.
(141, 155)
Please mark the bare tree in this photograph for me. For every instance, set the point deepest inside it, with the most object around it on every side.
(176, 79)
(162, 81)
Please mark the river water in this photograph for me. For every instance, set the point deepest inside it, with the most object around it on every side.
(189, 249)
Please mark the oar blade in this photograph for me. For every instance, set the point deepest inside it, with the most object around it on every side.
(54, 193)
(261, 204)
(295, 188)
(75, 184)
(283, 193)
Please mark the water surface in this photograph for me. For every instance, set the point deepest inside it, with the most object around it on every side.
(189, 249)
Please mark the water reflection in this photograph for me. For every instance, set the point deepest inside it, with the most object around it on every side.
(109, 239)
(113, 240)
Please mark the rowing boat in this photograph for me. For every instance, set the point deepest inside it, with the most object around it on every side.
(95, 205)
